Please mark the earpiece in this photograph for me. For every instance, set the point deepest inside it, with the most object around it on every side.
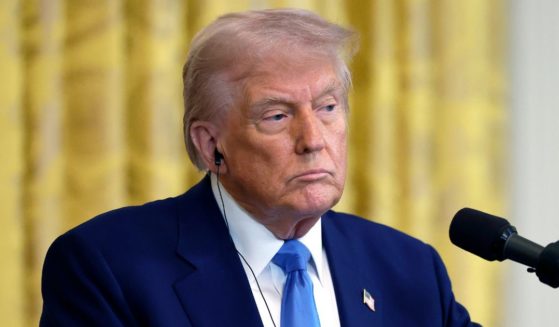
(218, 157)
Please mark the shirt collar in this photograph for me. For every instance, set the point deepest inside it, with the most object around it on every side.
(313, 241)
(254, 241)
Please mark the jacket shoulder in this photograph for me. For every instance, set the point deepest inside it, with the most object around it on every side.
(370, 232)
(128, 220)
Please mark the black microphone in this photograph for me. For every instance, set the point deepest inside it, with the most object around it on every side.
(494, 238)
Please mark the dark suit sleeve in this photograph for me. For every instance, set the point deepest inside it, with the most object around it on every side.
(455, 315)
(79, 288)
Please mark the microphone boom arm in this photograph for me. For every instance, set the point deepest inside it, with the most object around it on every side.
(522, 250)
(547, 268)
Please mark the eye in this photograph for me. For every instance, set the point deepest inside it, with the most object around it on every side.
(330, 107)
(273, 122)
(276, 117)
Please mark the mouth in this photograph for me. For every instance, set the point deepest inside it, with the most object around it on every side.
(312, 175)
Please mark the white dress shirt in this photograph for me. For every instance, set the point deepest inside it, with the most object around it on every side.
(258, 246)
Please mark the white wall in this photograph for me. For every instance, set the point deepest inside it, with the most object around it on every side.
(534, 108)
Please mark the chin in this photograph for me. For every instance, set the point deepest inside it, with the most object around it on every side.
(322, 194)
(317, 204)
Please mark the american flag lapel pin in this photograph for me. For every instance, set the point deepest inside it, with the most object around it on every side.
(369, 300)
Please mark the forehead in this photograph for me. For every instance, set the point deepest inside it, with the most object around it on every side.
(299, 78)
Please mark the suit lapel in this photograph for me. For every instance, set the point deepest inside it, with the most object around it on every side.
(350, 276)
(216, 291)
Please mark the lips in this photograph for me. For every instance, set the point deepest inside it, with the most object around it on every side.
(312, 175)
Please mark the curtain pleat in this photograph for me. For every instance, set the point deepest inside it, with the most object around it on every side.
(94, 115)
(156, 50)
(91, 120)
(470, 137)
(12, 236)
(43, 154)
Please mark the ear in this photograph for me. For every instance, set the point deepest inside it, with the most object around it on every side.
(204, 135)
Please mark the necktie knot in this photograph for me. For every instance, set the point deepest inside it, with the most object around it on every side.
(293, 255)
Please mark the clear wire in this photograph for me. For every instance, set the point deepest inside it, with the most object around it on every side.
(239, 253)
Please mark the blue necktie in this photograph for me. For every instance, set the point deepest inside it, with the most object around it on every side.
(297, 304)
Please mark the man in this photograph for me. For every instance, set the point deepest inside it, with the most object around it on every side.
(266, 115)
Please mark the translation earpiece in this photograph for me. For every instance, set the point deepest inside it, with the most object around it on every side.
(218, 157)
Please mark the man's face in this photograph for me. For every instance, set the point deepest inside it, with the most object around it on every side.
(284, 143)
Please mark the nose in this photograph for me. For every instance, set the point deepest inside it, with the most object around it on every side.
(309, 133)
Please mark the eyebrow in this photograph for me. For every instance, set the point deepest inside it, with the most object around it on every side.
(268, 101)
(330, 88)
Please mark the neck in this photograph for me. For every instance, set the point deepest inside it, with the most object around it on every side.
(283, 226)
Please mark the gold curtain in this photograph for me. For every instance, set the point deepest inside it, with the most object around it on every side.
(90, 107)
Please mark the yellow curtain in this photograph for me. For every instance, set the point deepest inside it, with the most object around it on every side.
(90, 120)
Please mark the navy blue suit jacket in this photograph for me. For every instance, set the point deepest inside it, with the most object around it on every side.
(172, 263)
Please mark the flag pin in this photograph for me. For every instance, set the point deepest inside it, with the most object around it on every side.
(368, 300)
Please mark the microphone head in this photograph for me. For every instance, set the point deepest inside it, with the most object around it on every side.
(480, 233)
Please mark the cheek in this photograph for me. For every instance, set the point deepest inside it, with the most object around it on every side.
(270, 151)
(261, 156)
(339, 144)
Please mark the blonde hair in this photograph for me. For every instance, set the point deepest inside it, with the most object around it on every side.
(243, 37)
